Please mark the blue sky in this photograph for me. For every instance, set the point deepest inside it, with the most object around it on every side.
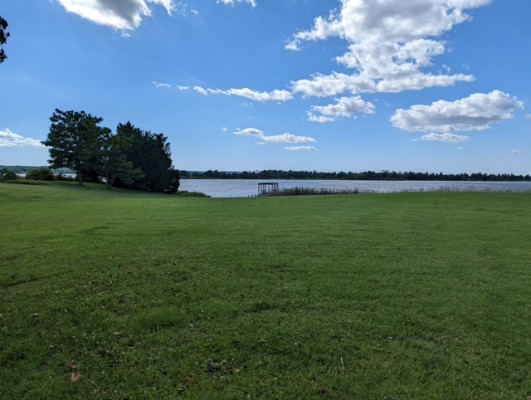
(353, 85)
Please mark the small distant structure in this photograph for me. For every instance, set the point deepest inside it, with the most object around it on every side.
(266, 188)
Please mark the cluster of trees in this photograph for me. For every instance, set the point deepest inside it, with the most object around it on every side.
(131, 158)
(3, 38)
(31, 173)
(367, 175)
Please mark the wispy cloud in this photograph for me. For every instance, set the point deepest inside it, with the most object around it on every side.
(199, 90)
(160, 85)
(275, 95)
(515, 151)
(474, 113)
(283, 138)
(252, 3)
(11, 139)
(443, 137)
(300, 148)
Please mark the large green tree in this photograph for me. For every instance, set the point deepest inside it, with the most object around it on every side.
(151, 154)
(115, 165)
(77, 141)
(3, 38)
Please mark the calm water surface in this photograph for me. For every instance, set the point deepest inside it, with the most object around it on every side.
(249, 187)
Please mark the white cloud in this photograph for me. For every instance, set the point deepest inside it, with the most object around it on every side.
(389, 20)
(169, 5)
(391, 42)
(443, 137)
(160, 85)
(344, 107)
(300, 148)
(284, 138)
(11, 139)
(252, 3)
(515, 151)
(336, 83)
(250, 132)
(201, 90)
(287, 138)
(122, 15)
(275, 95)
(474, 113)
(332, 85)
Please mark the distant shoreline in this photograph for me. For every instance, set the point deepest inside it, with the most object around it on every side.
(355, 176)
(316, 175)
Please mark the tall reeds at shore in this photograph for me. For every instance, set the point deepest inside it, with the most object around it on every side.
(305, 191)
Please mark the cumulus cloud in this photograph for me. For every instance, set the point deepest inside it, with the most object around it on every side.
(252, 3)
(275, 95)
(474, 113)
(343, 108)
(321, 85)
(391, 42)
(283, 138)
(121, 15)
(11, 139)
(389, 20)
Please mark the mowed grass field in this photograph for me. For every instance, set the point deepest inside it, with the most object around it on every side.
(120, 295)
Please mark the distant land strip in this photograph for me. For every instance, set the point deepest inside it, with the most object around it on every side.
(359, 176)
(383, 175)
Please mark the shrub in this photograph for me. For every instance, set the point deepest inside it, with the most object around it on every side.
(7, 175)
(185, 193)
(40, 174)
(65, 178)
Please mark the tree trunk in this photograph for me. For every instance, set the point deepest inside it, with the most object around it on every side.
(79, 180)
(109, 182)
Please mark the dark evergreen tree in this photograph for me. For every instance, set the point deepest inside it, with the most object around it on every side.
(151, 154)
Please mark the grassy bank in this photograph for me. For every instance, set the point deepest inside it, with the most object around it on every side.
(114, 295)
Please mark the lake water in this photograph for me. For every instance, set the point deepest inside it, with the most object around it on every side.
(249, 187)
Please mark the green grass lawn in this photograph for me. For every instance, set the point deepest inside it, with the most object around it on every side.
(118, 295)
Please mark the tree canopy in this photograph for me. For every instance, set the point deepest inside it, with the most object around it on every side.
(76, 141)
(3, 38)
(132, 158)
(151, 154)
